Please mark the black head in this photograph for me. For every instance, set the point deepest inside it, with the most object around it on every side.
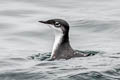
(58, 24)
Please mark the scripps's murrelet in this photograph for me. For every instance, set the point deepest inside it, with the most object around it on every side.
(61, 48)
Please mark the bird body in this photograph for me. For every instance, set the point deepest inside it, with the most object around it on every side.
(61, 48)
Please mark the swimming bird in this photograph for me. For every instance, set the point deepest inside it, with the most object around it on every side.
(61, 48)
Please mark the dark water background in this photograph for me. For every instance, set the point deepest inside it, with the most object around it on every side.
(95, 26)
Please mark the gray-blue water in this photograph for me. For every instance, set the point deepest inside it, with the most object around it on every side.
(94, 26)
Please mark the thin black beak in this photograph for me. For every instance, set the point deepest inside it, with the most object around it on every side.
(43, 22)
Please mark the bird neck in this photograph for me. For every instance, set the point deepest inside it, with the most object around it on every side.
(61, 42)
(61, 39)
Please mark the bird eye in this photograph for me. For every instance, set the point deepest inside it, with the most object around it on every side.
(57, 24)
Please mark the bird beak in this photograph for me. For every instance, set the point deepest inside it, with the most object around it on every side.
(43, 22)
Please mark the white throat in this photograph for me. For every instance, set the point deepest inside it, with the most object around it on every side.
(58, 38)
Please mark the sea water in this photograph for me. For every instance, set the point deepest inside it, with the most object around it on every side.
(94, 26)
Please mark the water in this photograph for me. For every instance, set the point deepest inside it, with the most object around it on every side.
(94, 27)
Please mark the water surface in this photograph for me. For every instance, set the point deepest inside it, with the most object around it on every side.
(94, 26)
